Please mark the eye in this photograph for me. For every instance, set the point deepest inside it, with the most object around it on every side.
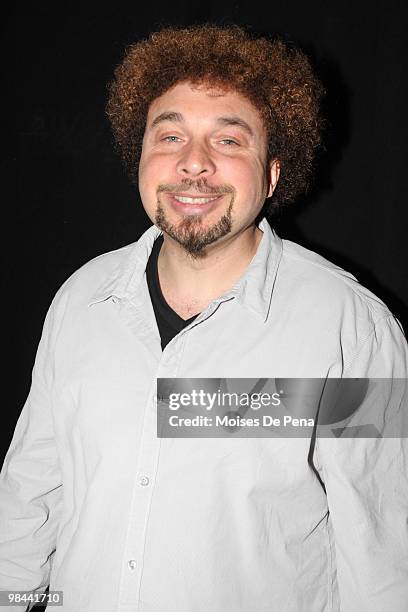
(171, 138)
(229, 141)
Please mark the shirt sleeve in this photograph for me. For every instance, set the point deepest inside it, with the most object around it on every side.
(31, 486)
(366, 483)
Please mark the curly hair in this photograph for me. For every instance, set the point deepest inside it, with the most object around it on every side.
(277, 78)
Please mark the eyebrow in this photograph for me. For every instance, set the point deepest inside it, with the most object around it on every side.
(233, 120)
(178, 118)
(169, 116)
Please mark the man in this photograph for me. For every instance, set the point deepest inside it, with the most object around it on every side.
(212, 123)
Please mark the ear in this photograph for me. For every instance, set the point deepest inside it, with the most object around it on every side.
(273, 176)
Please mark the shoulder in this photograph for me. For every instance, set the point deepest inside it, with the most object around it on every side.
(329, 307)
(328, 287)
(92, 277)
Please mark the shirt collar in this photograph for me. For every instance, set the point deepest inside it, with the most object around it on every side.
(255, 287)
(253, 290)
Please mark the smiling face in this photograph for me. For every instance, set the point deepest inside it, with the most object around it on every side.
(203, 176)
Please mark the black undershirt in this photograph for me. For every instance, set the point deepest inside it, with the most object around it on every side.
(168, 321)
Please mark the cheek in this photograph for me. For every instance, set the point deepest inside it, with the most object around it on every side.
(246, 177)
(155, 168)
(150, 174)
(145, 166)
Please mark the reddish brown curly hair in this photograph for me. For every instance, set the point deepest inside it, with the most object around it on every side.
(275, 77)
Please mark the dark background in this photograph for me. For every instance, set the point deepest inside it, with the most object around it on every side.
(73, 200)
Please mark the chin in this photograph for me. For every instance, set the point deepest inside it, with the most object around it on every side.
(191, 233)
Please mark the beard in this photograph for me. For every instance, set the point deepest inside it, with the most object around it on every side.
(190, 232)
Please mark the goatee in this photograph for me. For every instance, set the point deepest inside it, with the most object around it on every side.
(190, 234)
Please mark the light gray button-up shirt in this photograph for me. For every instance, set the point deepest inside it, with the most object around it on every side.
(94, 503)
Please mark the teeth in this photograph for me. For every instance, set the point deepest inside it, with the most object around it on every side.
(184, 200)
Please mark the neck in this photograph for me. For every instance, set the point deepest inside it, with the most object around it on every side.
(189, 285)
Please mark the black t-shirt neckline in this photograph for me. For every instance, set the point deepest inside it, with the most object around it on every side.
(168, 321)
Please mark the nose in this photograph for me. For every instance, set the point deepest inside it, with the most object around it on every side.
(195, 161)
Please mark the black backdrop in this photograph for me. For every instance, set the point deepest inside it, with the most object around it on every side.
(73, 200)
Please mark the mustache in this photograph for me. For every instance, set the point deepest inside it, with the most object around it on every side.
(200, 186)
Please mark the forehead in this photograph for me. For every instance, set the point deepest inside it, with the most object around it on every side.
(205, 103)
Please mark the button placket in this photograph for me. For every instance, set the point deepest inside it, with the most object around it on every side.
(147, 463)
(140, 509)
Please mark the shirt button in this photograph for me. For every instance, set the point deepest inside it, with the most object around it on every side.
(144, 481)
(132, 564)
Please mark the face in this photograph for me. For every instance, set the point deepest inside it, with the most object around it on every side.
(203, 176)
